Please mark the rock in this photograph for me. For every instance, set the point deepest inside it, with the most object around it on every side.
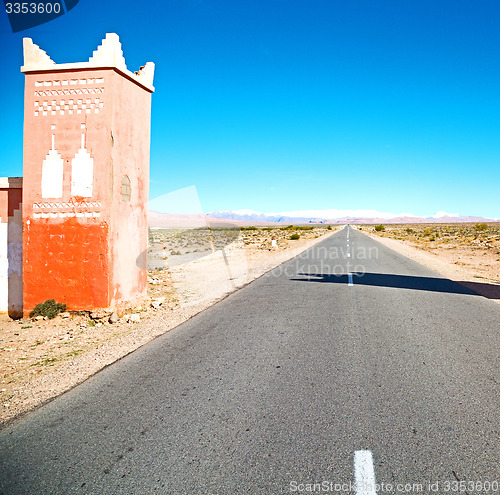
(39, 318)
(156, 303)
(66, 314)
(101, 314)
(135, 318)
(113, 317)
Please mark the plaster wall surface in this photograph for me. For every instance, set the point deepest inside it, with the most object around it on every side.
(15, 257)
(4, 269)
(65, 236)
(11, 297)
(130, 121)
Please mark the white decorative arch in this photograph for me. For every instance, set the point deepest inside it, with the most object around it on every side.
(82, 172)
(52, 173)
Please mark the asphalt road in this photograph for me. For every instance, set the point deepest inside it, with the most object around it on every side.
(281, 385)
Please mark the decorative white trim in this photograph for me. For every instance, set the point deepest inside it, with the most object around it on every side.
(34, 57)
(82, 172)
(146, 73)
(62, 106)
(52, 174)
(84, 204)
(70, 91)
(109, 54)
(68, 214)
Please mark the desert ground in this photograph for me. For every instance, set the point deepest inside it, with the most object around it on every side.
(189, 270)
(468, 253)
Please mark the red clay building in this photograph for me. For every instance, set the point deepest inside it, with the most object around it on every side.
(86, 178)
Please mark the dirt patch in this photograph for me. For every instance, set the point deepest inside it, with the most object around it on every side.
(466, 253)
(40, 359)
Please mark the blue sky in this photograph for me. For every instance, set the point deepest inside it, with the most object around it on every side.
(285, 105)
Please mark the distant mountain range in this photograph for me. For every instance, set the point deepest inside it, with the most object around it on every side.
(241, 218)
(341, 217)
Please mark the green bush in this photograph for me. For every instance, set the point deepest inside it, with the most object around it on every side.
(249, 228)
(294, 237)
(409, 230)
(49, 308)
(329, 227)
(379, 228)
(481, 226)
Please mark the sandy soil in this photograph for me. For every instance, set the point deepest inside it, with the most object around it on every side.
(40, 359)
(459, 252)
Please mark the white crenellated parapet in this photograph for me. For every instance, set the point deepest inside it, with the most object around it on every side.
(146, 73)
(35, 57)
(108, 54)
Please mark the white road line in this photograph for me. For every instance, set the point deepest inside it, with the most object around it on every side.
(349, 282)
(348, 255)
(364, 473)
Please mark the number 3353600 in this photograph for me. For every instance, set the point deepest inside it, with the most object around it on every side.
(32, 8)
